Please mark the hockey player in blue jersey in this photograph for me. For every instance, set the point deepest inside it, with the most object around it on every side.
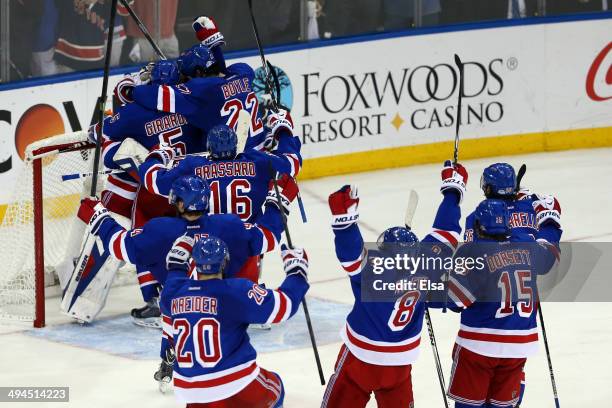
(239, 181)
(210, 95)
(499, 181)
(381, 339)
(148, 129)
(148, 245)
(498, 319)
(131, 131)
(206, 320)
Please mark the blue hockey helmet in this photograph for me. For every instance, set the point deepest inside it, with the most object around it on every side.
(165, 73)
(222, 142)
(210, 255)
(194, 192)
(196, 58)
(491, 217)
(401, 236)
(498, 180)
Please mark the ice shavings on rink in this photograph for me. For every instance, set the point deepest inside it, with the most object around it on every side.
(120, 337)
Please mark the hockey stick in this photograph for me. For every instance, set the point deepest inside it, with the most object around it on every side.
(413, 201)
(460, 97)
(304, 305)
(268, 69)
(144, 30)
(102, 98)
(519, 178)
(548, 357)
(74, 176)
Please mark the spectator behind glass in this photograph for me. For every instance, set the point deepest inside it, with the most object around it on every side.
(82, 29)
(25, 19)
(145, 9)
(575, 6)
(399, 14)
(349, 17)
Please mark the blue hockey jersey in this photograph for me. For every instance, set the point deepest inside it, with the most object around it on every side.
(148, 246)
(207, 322)
(520, 213)
(499, 301)
(387, 333)
(238, 186)
(149, 128)
(209, 101)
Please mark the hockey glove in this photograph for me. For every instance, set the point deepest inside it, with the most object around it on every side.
(94, 132)
(180, 253)
(207, 32)
(295, 261)
(288, 190)
(523, 194)
(547, 209)
(164, 153)
(344, 205)
(454, 177)
(93, 213)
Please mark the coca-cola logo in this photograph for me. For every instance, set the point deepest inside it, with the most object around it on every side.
(599, 77)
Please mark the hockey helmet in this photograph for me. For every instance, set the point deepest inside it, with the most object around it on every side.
(400, 236)
(498, 180)
(210, 255)
(222, 142)
(165, 73)
(491, 217)
(194, 192)
(196, 58)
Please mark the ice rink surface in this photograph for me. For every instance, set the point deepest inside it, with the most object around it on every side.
(111, 363)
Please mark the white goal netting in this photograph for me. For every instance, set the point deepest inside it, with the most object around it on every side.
(60, 203)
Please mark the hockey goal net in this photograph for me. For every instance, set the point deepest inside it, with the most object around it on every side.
(35, 228)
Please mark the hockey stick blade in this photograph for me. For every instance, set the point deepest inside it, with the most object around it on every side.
(519, 176)
(413, 201)
(243, 125)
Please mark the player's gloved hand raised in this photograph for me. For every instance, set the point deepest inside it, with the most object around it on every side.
(295, 261)
(344, 205)
(455, 177)
(547, 208)
(288, 189)
(180, 253)
(123, 90)
(277, 122)
(93, 213)
(164, 153)
(207, 32)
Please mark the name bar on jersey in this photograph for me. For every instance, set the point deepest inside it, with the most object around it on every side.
(194, 304)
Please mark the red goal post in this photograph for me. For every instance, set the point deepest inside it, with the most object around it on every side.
(35, 228)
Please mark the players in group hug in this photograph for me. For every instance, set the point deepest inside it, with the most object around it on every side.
(200, 224)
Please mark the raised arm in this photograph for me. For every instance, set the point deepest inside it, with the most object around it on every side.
(347, 236)
(261, 305)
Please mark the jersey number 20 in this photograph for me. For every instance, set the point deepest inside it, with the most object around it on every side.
(205, 337)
